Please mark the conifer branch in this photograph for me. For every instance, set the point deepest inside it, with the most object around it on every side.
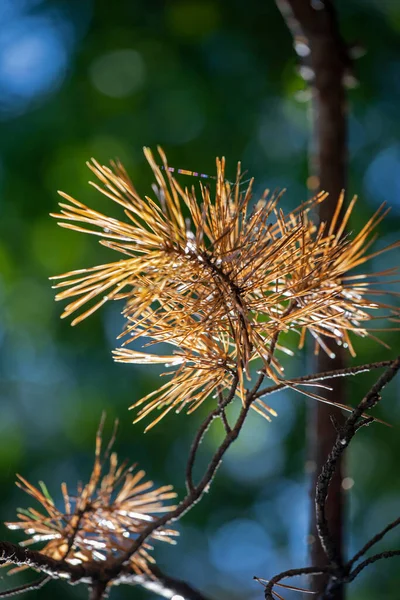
(340, 574)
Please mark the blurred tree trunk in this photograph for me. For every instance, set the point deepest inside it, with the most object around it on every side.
(313, 25)
(328, 163)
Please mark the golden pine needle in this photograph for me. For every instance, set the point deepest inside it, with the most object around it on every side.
(221, 284)
(101, 521)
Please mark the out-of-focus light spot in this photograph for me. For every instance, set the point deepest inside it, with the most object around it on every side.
(177, 597)
(350, 81)
(118, 74)
(33, 62)
(382, 179)
(310, 466)
(240, 547)
(194, 19)
(303, 95)
(347, 483)
(313, 182)
(301, 48)
(310, 539)
(307, 73)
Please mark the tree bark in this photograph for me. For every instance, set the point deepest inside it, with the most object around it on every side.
(98, 591)
(316, 36)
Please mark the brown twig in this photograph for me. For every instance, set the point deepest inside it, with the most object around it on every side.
(99, 577)
(40, 562)
(224, 418)
(42, 581)
(292, 573)
(371, 560)
(343, 439)
(191, 498)
(315, 377)
(203, 430)
(26, 587)
(336, 573)
(95, 575)
(377, 538)
(196, 491)
(163, 583)
(158, 582)
(324, 63)
(98, 591)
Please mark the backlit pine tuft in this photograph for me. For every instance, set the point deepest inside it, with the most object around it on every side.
(100, 521)
(219, 279)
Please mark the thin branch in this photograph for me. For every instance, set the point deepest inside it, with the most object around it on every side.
(36, 560)
(42, 581)
(191, 498)
(377, 538)
(159, 582)
(338, 574)
(167, 586)
(196, 491)
(195, 446)
(223, 416)
(371, 560)
(324, 62)
(203, 430)
(26, 587)
(292, 573)
(98, 591)
(343, 439)
(97, 576)
(315, 377)
(231, 434)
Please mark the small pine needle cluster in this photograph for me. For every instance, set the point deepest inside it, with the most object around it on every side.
(219, 279)
(101, 521)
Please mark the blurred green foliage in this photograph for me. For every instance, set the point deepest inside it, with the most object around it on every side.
(80, 78)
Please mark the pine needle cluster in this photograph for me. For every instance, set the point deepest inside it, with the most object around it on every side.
(219, 279)
(100, 521)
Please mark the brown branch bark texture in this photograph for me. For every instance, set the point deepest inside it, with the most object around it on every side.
(99, 577)
(314, 26)
(336, 573)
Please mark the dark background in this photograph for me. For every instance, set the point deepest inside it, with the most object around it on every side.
(203, 78)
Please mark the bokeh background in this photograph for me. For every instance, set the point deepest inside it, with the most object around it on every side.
(80, 78)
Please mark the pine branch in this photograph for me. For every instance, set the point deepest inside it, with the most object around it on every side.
(323, 376)
(36, 560)
(26, 587)
(324, 64)
(158, 582)
(377, 538)
(337, 574)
